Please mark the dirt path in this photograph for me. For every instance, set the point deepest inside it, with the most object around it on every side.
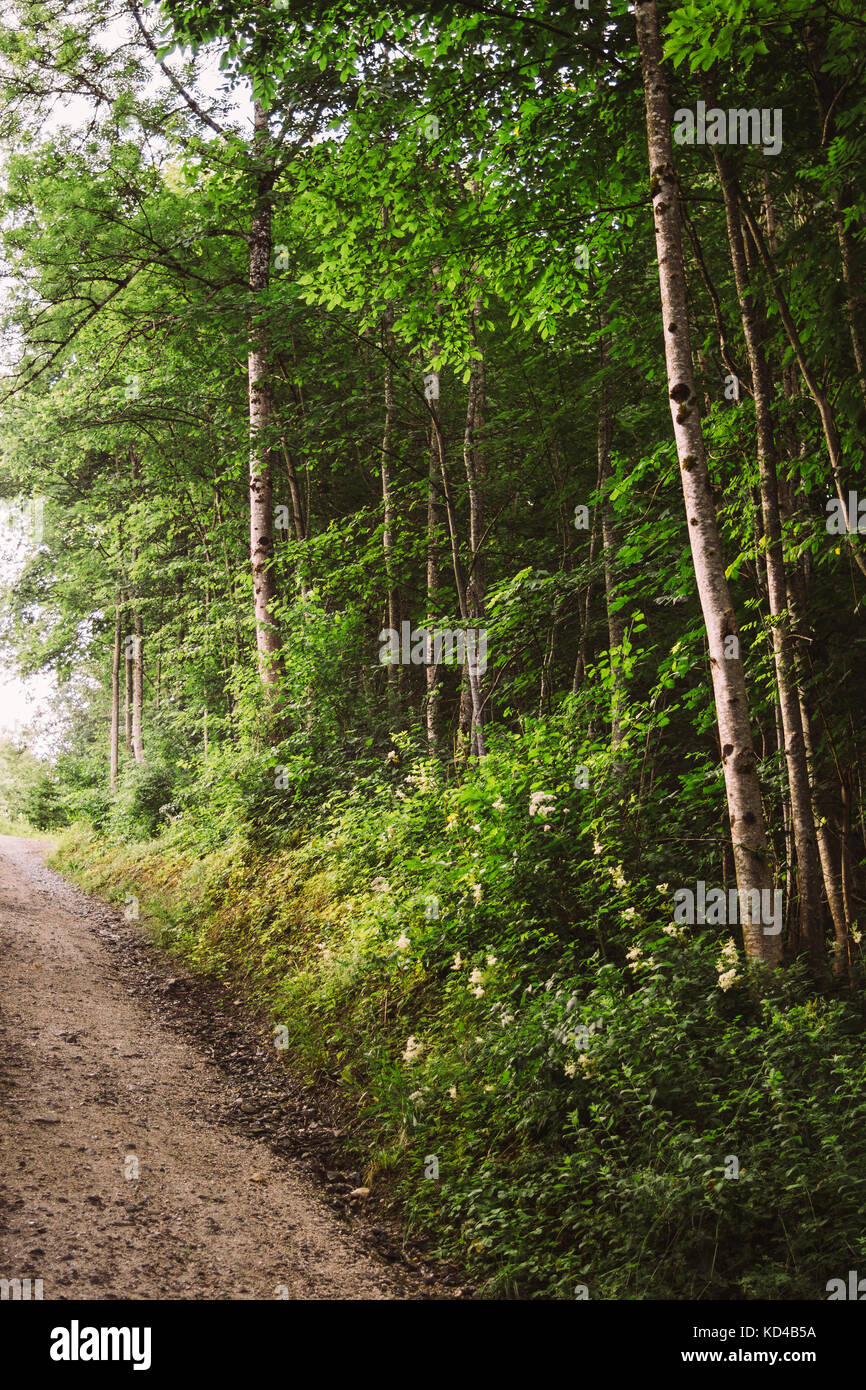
(112, 1063)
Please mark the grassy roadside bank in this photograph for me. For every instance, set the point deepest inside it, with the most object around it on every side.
(595, 1129)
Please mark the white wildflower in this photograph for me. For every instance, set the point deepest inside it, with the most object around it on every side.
(728, 957)
(413, 1050)
(402, 942)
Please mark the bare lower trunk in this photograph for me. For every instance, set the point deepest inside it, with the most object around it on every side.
(127, 678)
(732, 712)
(803, 820)
(584, 608)
(826, 852)
(434, 689)
(610, 549)
(260, 409)
(787, 830)
(476, 477)
(388, 502)
(799, 609)
(114, 750)
(472, 674)
(854, 305)
(137, 688)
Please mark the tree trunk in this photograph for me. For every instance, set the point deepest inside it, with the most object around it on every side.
(137, 687)
(433, 711)
(260, 409)
(114, 750)
(584, 605)
(127, 671)
(817, 392)
(827, 92)
(387, 498)
(460, 584)
(803, 819)
(732, 712)
(798, 608)
(610, 547)
(474, 464)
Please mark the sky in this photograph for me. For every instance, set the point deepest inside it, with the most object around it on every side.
(25, 700)
(20, 698)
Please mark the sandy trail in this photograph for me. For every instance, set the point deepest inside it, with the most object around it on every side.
(95, 1085)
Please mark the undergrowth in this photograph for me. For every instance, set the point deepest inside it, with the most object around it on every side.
(556, 1083)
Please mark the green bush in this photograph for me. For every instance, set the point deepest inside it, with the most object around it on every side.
(42, 803)
(143, 793)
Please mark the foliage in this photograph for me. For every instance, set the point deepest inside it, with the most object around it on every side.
(453, 199)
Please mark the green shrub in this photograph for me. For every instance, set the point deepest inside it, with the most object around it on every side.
(42, 803)
(143, 794)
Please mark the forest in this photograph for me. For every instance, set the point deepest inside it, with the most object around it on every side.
(433, 439)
